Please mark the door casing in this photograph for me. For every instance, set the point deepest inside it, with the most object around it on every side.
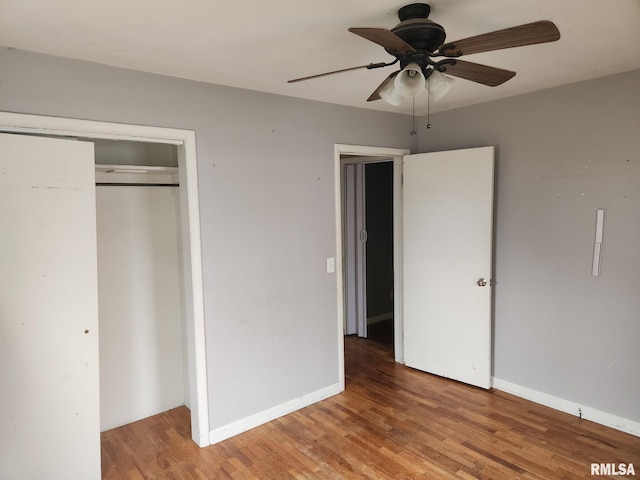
(363, 154)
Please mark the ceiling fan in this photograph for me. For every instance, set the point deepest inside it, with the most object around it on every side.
(417, 43)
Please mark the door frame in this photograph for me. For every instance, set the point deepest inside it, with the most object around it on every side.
(369, 155)
(190, 231)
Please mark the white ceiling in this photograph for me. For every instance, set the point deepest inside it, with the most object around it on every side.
(259, 45)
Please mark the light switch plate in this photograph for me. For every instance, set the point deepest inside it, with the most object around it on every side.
(331, 265)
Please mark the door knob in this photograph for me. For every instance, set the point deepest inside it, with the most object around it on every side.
(481, 282)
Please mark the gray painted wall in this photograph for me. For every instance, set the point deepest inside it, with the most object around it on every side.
(267, 211)
(562, 154)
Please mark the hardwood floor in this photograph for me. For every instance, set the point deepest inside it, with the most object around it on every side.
(392, 422)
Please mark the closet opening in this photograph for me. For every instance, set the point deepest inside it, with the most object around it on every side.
(125, 139)
(143, 363)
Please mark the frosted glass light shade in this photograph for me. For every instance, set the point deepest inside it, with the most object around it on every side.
(438, 85)
(410, 81)
(389, 94)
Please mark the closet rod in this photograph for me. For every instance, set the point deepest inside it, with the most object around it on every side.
(130, 184)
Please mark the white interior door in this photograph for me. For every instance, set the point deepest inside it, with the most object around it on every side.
(447, 260)
(49, 393)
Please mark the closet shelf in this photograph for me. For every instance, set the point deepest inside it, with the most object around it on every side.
(103, 168)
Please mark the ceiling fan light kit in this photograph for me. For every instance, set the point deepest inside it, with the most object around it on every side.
(410, 81)
(417, 43)
(389, 93)
(438, 85)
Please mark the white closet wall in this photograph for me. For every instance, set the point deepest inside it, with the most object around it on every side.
(141, 333)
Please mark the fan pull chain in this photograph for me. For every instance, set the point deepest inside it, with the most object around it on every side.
(428, 108)
(413, 118)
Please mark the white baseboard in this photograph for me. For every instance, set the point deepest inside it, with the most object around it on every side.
(379, 318)
(573, 408)
(234, 428)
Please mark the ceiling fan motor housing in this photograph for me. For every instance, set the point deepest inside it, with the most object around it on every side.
(417, 30)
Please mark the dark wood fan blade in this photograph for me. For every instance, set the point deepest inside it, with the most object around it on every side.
(384, 37)
(376, 94)
(475, 72)
(369, 66)
(529, 34)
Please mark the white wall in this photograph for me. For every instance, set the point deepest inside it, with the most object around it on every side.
(562, 154)
(265, 171)
(141, 341)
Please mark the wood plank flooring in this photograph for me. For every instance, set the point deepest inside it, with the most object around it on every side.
(392, 422)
